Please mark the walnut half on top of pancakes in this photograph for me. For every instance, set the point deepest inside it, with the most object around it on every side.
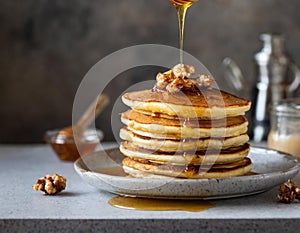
(178, 79)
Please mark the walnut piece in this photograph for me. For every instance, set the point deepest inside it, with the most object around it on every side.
(183, 71)
(177, 79)
(51, 185)
(288, 192)
(205, 80)
(297, 191)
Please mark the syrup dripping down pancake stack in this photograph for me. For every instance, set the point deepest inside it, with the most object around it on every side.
(184, 128)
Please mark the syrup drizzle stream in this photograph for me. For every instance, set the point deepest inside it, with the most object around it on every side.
(181, 7)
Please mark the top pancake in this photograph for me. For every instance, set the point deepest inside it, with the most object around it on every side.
(206, 104)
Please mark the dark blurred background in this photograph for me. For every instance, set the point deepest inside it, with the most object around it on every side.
(47, 46)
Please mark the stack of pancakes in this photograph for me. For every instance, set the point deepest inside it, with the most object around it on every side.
(191, 134)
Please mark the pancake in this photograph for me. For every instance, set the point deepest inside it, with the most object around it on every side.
(138, 168)
(208, 104)
(173, 117)
(169, 145)
(161, 128)
(181, 158)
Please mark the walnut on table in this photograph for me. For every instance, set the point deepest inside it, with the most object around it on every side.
(51, 185)
(288, 192)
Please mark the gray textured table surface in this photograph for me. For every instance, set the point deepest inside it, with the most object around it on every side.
(81, 208)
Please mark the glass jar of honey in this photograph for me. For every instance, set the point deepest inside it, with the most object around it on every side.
(285, 126)
(67, 149)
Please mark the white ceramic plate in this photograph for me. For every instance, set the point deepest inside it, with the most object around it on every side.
(103, 170)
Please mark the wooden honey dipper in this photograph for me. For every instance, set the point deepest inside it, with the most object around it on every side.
(91, 113)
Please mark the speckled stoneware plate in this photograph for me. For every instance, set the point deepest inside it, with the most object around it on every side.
(103, 170)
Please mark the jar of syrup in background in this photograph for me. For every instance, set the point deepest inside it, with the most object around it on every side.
(285, 126)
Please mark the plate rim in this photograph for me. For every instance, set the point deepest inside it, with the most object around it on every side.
(291, 157)
(114, 189)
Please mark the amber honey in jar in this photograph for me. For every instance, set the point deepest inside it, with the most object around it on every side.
(66, 148)
(285, 126)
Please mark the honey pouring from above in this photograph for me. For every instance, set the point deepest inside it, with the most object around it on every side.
(182, 6)
(71, 142)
